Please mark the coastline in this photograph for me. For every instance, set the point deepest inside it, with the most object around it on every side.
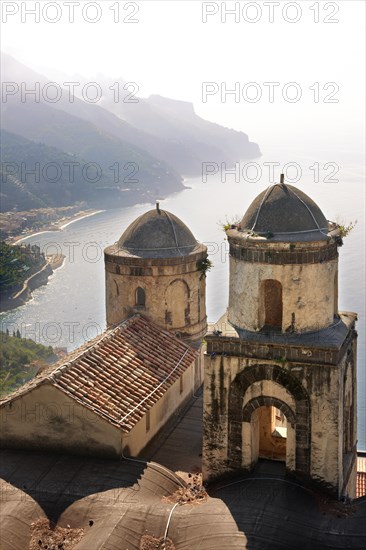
(77, 217)
(58, 225)
(53, 262)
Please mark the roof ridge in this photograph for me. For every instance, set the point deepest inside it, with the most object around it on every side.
(309, 211)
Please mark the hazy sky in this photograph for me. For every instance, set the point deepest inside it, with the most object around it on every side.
(171, 51)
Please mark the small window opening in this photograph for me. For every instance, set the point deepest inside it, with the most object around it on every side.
(140, 296)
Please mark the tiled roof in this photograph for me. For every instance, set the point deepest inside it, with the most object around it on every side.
(121, 373)
(361, 476)
(361, 484)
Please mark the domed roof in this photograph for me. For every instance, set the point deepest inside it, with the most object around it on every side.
(157, 234)
(287, 214)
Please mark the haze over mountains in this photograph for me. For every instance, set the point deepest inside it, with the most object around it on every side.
(140, 148)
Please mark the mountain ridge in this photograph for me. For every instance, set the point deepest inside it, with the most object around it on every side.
(157, 138)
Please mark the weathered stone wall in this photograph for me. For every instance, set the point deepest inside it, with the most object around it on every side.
(311, 397)
(308, 294)
(347, 445)
(306, 272)
(231, 383)
(175, 293)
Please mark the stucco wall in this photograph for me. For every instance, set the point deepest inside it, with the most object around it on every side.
(46, 418)
(308, 294)
(173, 399)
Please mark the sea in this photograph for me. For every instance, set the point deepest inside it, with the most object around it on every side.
(70, 309)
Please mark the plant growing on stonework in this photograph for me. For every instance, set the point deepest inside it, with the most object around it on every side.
(281, 360)
(229, 223)
(203, 266)
(344, 229)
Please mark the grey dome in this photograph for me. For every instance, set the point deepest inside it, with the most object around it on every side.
(158, 234)
(287, 213)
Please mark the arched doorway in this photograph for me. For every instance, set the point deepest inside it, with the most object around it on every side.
(268, 432)
(272, 424)
(240, 433)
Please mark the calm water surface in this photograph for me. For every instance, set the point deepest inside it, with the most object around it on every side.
(70, 309)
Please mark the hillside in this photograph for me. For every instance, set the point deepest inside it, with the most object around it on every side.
(58, 179)
(166, 128)
(20, 359)
(164, 136)
(184, 137)
(17, 263)
(122, 165)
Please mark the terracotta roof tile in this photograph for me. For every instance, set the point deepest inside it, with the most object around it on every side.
(361, 484)
(121, 373)
(361, 476)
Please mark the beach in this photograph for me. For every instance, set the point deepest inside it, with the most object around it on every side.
(58, 225)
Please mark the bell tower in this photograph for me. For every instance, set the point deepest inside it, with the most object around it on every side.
(157, 268)
(280, 370)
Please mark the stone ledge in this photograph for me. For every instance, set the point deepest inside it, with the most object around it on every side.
(326, 346)
(267, 255)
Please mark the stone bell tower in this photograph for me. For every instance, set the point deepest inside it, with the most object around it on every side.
(157, 268)
(280, 368)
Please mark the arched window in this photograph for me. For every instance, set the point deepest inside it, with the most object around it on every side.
(177, 307)
(140, 297)
(271, 299)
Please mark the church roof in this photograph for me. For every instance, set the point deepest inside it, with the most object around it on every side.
(128, 499)
(120, 374)
(286, 213)
(157, 234)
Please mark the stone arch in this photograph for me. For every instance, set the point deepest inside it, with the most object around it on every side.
(177, 307)
(264, 401)
(258, 437)
(277, 374)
